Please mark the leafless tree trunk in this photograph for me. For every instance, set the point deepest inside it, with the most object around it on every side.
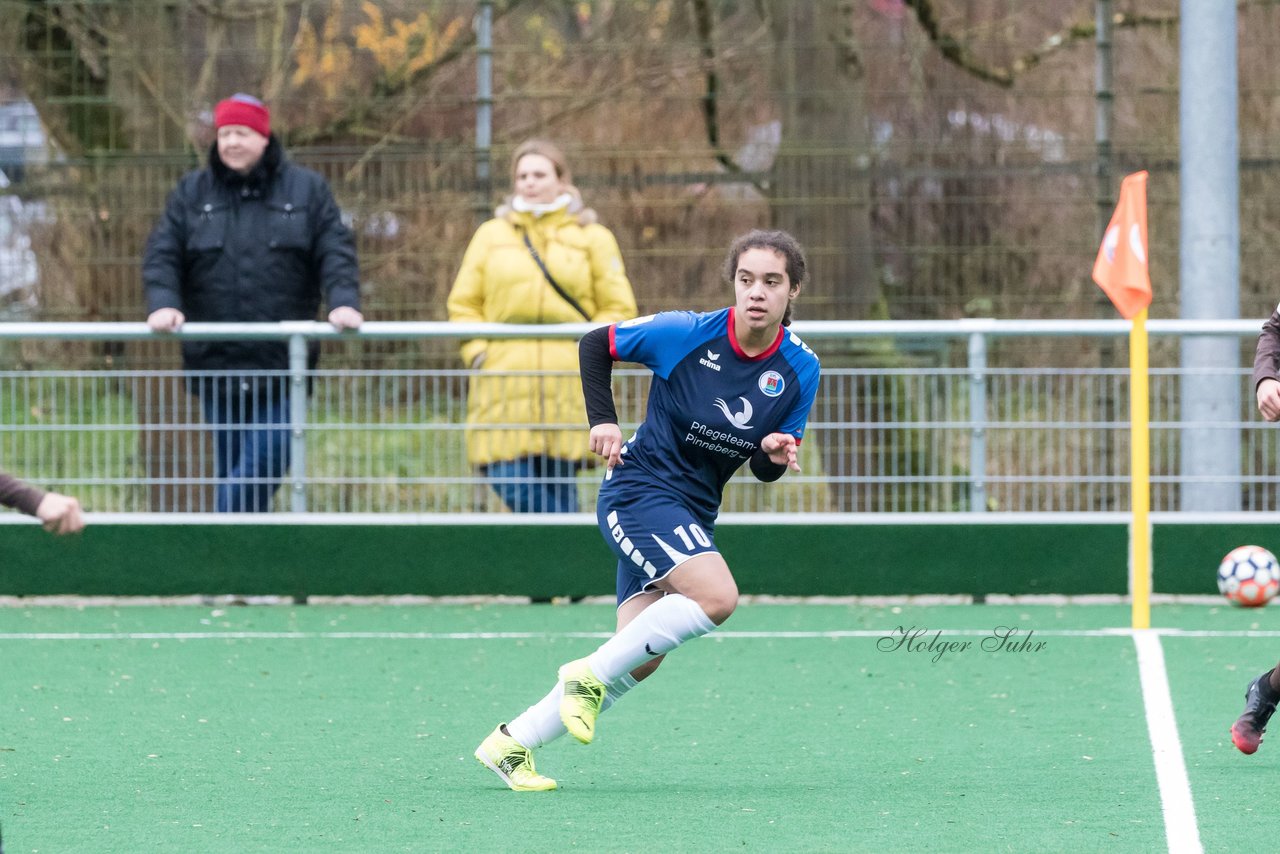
(826, 142)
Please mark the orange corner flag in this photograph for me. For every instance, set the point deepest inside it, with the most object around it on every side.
(1121, 268)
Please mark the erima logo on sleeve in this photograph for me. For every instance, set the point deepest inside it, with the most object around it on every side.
(709, 361)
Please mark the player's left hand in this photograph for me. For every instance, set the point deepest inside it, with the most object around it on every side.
(345, 317)
(781, 448)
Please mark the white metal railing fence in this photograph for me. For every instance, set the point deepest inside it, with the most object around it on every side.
(954, 429)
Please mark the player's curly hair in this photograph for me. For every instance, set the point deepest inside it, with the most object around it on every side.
(776, 241)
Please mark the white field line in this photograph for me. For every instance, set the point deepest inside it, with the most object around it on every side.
(894, 632)
(1171, 771)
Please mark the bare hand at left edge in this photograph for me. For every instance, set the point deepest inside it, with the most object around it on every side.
(60, 514)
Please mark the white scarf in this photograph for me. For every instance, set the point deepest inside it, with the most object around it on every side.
(559, 202)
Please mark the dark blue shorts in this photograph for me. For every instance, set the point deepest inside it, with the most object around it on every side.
(652, 533)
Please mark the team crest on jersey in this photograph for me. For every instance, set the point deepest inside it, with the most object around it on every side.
(771, 383)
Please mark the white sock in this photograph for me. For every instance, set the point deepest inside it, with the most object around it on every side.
(658, 629)
(540, 724)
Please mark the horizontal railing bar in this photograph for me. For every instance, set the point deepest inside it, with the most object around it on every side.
(589, 519)
(812, 329)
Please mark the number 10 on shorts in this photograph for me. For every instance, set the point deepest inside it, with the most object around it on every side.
(699, 536)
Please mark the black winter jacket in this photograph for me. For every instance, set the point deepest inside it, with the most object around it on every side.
(261, 247)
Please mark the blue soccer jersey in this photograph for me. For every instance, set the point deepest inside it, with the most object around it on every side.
(710, 405)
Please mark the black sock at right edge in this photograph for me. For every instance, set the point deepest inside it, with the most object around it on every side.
(1267, 687)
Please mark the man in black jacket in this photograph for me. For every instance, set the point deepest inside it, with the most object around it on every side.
(252, 237)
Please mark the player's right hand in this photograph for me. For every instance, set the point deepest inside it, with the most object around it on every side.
(781, 448)
(166, 320)
(1269, 399)
(606, 440)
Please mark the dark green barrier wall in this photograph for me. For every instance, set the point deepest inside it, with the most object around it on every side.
(1187, 555)
(570, 560)
(546, 561)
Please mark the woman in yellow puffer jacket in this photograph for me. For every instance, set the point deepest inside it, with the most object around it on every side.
(526, 427)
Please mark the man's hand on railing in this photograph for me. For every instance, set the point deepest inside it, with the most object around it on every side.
(60, 514)
(345, 317)
(1269, 399)
(166, 320)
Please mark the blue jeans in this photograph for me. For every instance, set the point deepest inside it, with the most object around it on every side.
(250, 420)
(535, 484)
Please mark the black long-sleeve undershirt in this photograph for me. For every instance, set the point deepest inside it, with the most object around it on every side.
(595, 364)
(765, 469)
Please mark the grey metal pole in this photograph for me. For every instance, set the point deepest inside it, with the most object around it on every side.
(977, 422)
(1104, 110)
(1103, 104)
(484, 107)
(1209, 254)
(298, 423)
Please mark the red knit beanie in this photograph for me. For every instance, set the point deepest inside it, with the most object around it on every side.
(242, 109)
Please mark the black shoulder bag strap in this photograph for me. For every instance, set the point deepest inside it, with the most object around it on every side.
(543, 267)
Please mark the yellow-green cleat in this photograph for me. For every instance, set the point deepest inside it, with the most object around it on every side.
(513, 762)
(580, 704)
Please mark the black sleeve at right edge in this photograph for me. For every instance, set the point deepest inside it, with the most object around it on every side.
(1268, 352)
(595, 363)
(162, 257)
(19, 494)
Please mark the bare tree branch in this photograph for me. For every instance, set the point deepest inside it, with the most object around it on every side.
(215, 35)
(228, 10)
(161, 104)
(646, 79)
(362, 111)
(702, 16)
(278, 58)
(956, 53)
(705, 22)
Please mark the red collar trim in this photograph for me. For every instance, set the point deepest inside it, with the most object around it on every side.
(772, 348)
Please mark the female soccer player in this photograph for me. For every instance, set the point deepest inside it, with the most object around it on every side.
(729, 386)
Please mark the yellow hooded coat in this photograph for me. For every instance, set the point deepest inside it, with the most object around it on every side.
(501, 283)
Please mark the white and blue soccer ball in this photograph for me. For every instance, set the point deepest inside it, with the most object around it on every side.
(1249, 576)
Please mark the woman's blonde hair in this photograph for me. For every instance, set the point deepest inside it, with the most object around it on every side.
(552, 152)
(547, 149)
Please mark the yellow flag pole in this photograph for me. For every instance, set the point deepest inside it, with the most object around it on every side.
(1140, 474)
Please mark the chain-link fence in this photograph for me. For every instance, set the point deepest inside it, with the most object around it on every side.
(939, 159)
(934, 419)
